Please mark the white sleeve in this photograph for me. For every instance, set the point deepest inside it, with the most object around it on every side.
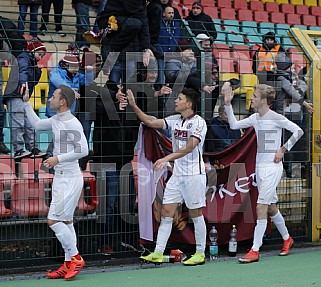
(297, 132)
(169, 122)
(234, 124)
(35, 121)
(200, 130)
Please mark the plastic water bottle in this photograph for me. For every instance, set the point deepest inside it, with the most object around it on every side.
(169, 258)
(232, 245)
(213, 235)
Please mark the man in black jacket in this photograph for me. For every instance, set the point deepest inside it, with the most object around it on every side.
(199, 22)
(131, 20)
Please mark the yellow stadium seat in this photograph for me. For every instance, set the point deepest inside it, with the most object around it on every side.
(39, 96)
(268, 1)
(311, 2)
(5, 75)
(248, 81)
(296, 2)
(282, 1)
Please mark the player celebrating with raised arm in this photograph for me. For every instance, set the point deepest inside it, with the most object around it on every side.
(268, 127)
(188, 182)
(69, 145)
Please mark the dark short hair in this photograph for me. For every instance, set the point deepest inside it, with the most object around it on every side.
(192, 96)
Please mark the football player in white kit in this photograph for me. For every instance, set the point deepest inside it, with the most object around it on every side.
(188, 182)
(70, 145)
(268, 127)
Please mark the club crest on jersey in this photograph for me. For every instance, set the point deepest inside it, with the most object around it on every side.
(189, 125)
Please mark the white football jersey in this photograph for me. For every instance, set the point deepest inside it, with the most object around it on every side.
(182, 129)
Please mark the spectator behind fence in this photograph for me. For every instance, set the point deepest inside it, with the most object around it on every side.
(264, 65)
(199, 22)
(223, 135)
(123, 22)
(170, 33)
(67, 73)
(289, 101)
(58, 8)
(82, 21)
(23, 8)
(11, 45)
(166, 3)
(113, 141)
(149, 94)
(24, 72)
(70, 145)
(182, 72)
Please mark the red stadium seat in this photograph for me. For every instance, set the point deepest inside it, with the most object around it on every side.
(293, 19)
(297, 58)
(261, 16)
(241, 56)
(4, 211)
(33, 168)
(302, 10)
(223, 56)
(240, 4)
(315, 10)
(271, 7)
(253, 50)
(244, 49)
(256, 6)
(287, 8)
(224, 4)
(208, 3)
(211, 11)
(88, 200)
(319, 20)
(187, 3)
(244, 15)
(309, 20)
(277, 17)
(227, 14)
(7, 168)
(28, 199)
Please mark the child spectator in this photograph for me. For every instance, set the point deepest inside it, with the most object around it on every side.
(24, 74)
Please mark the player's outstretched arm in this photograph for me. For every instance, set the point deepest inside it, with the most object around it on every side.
(146, 119)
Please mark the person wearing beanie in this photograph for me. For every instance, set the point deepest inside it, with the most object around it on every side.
(69, 73)
(199, 22)
(264, 65)
(70, 145)
(24, 72)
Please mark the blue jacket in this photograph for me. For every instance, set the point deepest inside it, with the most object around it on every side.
(59, 76)
(170, 33)
(23, 70)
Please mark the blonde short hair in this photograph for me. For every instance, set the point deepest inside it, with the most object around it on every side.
(266, 92)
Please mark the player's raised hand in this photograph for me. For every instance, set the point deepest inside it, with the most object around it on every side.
(130, 98)
(228, 95)
(25, 90)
